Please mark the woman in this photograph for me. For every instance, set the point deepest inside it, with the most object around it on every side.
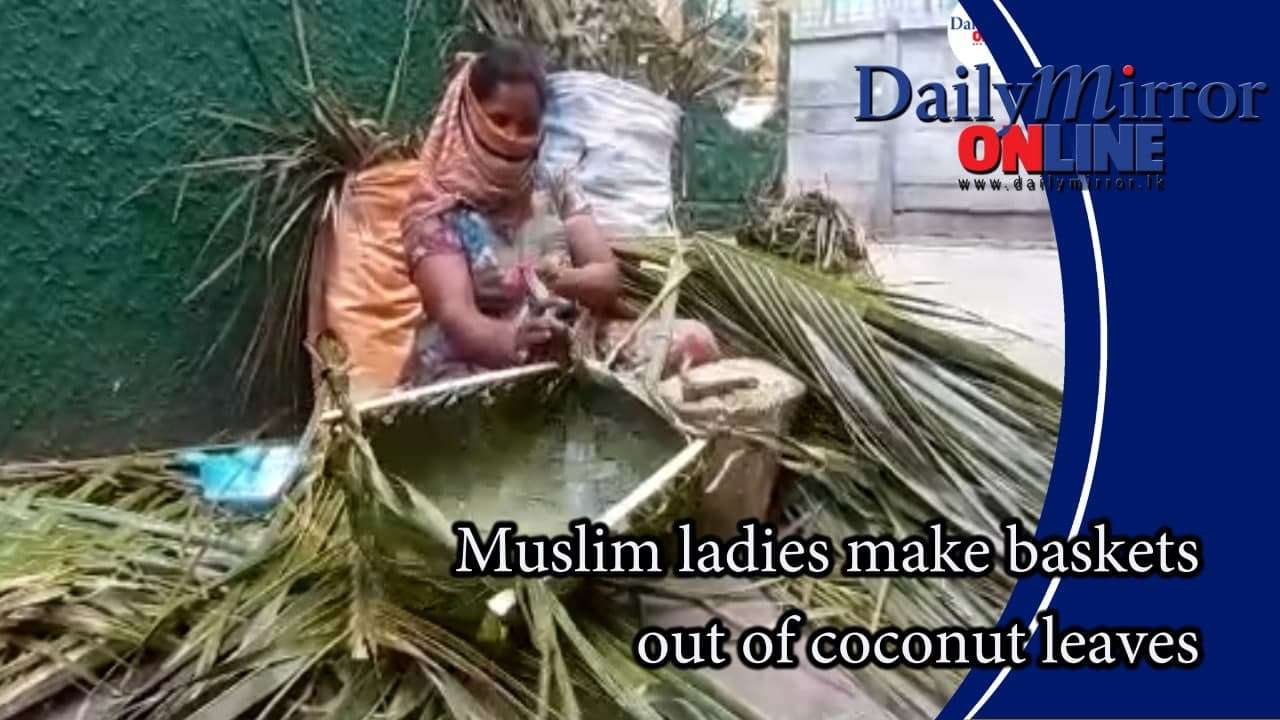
(494, 296)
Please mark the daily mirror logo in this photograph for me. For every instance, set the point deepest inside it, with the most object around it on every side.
(1067, 120)
(966, 41)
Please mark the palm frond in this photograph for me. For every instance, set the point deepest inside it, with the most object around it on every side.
(810, 228)
(92, 560)
(114, 577)
(956, 430)
(903, 424)
(287, 190)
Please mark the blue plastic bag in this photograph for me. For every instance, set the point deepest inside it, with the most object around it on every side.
(249, 478)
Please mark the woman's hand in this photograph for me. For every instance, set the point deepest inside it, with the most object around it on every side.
(535, 332)
(448, 298)
(594, 279)
(562, 309)
(596, 285)
(549, 268)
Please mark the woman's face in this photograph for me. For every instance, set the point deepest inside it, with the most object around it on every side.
(515, 109)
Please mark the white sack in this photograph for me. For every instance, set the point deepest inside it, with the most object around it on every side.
(618, 138)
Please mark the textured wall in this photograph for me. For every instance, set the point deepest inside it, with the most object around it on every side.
(724, 166)
(98, 350)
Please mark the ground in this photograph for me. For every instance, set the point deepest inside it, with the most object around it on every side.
(803, 693)
(1016, 288)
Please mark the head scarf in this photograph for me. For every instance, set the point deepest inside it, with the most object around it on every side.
(467, 160)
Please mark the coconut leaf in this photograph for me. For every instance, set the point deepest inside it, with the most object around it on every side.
(903, 424)
(342, 604)
(288, 190)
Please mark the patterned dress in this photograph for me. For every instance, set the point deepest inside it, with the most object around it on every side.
(498, 258)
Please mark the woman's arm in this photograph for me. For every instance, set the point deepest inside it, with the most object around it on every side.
(444, 280)
(594, 280)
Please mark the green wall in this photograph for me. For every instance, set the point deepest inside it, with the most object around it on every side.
(99, 352)
(724, 166)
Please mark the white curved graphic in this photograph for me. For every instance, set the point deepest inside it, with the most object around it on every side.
(1078, 520)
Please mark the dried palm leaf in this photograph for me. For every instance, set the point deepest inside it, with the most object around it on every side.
(682, 51)
(114, 577)
(288, 188)
(811, 228)
(93, 556)
(342, 606)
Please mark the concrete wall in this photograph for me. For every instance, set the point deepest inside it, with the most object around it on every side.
(898, 175)
(99, 352)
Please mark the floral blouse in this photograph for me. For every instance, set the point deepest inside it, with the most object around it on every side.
(498, 259)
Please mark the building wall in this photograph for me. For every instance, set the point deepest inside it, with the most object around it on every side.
(898, 175)
(99, 350)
